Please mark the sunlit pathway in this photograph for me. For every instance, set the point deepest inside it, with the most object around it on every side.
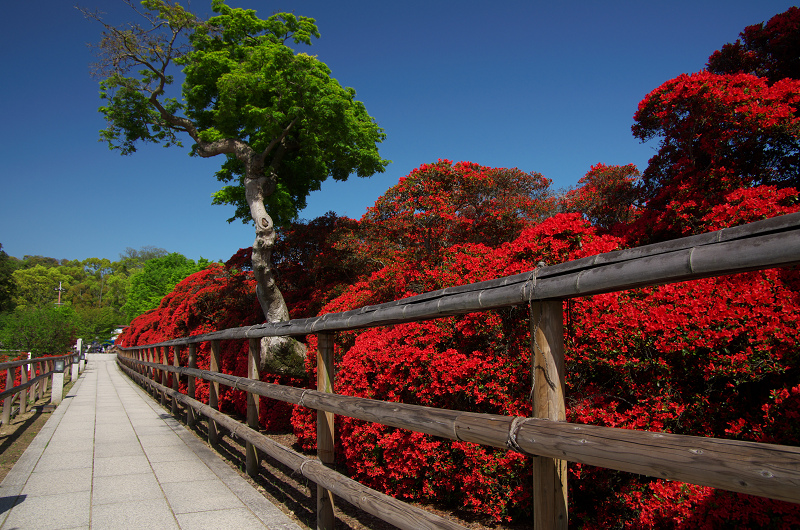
(110, 457)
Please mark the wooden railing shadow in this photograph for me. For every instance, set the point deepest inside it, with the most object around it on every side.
(766, 470)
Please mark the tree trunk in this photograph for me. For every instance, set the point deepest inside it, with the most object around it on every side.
(278, 354)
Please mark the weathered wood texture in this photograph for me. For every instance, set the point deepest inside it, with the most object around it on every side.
(176, 362)
(763, 244)
(12, 391)
(190, 384)
(325, 428)
(8, 394)
(547, 365)
(253, 362)
(766, 470)
(164, 352)
(23, 362)
(387, 508)
(213, 392)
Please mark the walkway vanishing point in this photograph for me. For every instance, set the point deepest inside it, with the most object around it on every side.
(110, 457)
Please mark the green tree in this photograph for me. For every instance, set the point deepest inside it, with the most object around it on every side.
(40, 330)
(156, 279)
(280, 119)
(91, 322)
(36, 287)
(133, 259)
(98, 269)
(6, 281)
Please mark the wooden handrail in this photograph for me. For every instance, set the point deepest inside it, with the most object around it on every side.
(715, 254)
(766, 470)
(387, 508)
(22, 362)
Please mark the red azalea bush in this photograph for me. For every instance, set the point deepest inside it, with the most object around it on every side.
(478, 362)
(718, 134)
(714, 357)
(215, 298)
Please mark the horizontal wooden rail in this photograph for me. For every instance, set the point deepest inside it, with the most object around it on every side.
(776, 243)
(383, 506)
(22, 362)
(11, 391)
(765, 470)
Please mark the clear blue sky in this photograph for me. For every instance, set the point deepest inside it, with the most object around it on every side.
(546, 86)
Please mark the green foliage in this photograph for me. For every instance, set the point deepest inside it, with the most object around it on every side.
(40, 330)
(246, 94)
(96, 322)
(35, 286)
(95, 291)
(156, 279)
(242, 81)
(6, 281)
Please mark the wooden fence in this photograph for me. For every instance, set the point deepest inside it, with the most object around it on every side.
(766, 470)
(34, 374)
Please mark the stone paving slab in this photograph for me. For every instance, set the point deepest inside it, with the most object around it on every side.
(111, 457)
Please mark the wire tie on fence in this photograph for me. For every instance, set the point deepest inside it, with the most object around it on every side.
(306, 461)
(513, 430)
(300, 402)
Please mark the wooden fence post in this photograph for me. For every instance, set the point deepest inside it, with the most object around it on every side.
(253, 402)
(164, 360)
(46, 367)
(547, 359)
(151, 372)
(213, 393)
(43, 383)
(10, 399)
(190, 384)
(176, 354)
(23, 394)
(325, 425)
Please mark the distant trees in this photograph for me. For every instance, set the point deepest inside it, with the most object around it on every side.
(155, 279)
(39, 330)
(94, 296)
(6, 281)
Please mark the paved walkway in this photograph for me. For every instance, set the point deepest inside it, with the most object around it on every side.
(110, 457)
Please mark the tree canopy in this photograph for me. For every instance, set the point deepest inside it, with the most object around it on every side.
(283, 124)
(770, 50)
(734, 125)
(40, 330)
(156, 279)
(6, 281)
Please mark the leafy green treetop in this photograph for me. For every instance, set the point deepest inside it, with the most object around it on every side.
(156, 279)
(282, 122)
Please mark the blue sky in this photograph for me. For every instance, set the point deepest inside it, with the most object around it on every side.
(545, 86)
